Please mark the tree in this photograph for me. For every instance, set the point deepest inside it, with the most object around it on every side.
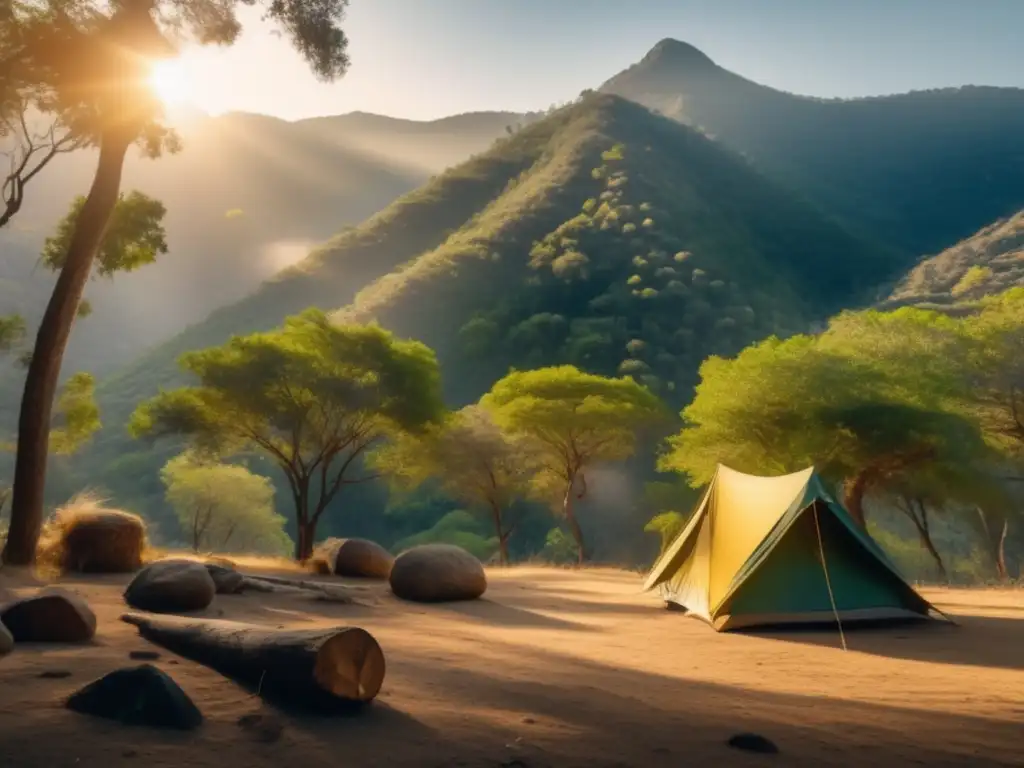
(31, 143)
(571, 421)
(311, 396)
(87, 63)
(134, 237)
(996, 368)
(875, 398)
(220, 505)
(474, 461)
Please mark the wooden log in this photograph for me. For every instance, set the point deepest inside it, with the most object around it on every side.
(304, 590)
(308, 666)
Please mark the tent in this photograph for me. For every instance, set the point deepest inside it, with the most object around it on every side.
(780, 550)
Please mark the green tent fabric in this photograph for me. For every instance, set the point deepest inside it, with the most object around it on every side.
(780, 550)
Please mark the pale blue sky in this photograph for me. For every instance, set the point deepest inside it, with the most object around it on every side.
(430, 58)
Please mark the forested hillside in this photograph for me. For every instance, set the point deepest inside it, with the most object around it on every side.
(982, 265)
(921, 170)
(634, 245)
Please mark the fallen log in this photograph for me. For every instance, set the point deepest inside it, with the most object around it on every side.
(307, 666)
(311, 592)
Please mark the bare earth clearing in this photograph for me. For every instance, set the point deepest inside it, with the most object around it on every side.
(558, 668)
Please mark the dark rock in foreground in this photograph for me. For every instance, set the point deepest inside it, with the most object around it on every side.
(753, 742)
(140, 695)
(53, 615)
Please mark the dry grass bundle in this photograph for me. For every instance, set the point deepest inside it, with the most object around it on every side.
(84, 536)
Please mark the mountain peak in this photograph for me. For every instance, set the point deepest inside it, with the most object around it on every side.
(677, 54)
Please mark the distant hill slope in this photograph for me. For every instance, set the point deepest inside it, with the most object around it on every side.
(919, 170)
(248, 196)
(633, 245)
(989, 262)
(602, 235)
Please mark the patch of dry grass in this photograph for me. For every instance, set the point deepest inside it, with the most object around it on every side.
(84, 535)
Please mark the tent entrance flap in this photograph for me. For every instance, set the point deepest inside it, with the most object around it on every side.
(744, 562)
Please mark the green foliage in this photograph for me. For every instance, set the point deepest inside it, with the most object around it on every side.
(459, 528)
(667, 525)
(559, 547)
(973, 277)
(471, 459)
(571, 420)
(12, 332)
(134, 237)
(224, 507)
(872, 399)
(311, 396)
(77, 415)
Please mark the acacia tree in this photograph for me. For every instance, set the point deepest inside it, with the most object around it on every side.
(854, 402)
(571, 420)
(312, 397)
(224, 505)
(88, 61)
(474, 461)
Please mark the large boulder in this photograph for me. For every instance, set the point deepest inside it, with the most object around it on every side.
(93, 539)
(142, 695)
(52, 615)
(171, 586)
(352, 557)
(6, 641)
(436, 573)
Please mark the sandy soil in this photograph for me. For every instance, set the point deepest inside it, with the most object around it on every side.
(561, 668)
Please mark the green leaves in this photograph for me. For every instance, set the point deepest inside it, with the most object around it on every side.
(311, 396)
(134, 237)
(78, 416)
(573, 418)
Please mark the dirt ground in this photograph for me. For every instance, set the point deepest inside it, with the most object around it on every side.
(560, 668)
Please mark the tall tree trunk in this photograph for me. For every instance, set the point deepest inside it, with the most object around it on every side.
(51, 341)
(920, 518)
(500, 530)
(1001, 569)
(574, 526)
(853, 496)
(996, 547)
(304, 541)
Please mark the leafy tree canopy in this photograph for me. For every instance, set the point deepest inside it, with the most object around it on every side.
(311, 396)
(473, 460)
(874, 397)
(134, 237)
(224, 507)
(572, 420)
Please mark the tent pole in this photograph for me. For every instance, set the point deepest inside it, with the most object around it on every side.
(828, 581)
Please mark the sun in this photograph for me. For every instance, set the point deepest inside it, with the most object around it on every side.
(168, 81)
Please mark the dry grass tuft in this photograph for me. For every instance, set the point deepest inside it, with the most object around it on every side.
(84, 536)
(262, 563)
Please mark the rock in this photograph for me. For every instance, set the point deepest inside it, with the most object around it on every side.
(53, 615)
(6, 641)
(753, 742)
(360, 558)
(171, 586)
(140, 695)
(226, 580)
(54, 674)
(100, 540)
(437, 573)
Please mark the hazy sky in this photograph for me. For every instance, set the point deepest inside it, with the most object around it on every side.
(430, 58)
